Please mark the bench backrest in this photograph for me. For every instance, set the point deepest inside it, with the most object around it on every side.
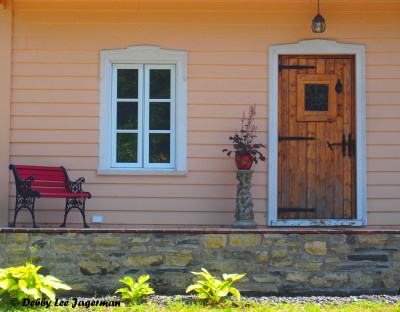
(46, 179)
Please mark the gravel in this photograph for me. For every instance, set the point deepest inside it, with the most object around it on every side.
(323, 300)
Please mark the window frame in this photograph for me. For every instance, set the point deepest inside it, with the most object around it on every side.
(143, 56)
(147, 131)
(308, 115)
(114, 109)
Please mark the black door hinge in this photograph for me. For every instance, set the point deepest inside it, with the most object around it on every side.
(295, 138)
(296, 67)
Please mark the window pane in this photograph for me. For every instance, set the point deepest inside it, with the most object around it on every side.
(127, 84)
(126, 147)
(127, 115)
(160, 116)
(159, 148)
(160, 83)
(316, 97)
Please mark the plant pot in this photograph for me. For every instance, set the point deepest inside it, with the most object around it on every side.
(243, 162)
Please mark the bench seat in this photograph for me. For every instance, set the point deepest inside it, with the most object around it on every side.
(59, 194)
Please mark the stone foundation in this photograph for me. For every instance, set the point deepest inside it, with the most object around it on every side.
(276, 263)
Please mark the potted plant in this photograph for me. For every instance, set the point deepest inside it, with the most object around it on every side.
(246, 151)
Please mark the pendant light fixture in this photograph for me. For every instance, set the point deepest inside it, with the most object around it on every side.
(318, 24)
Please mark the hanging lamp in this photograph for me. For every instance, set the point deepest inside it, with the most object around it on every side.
(318, 23)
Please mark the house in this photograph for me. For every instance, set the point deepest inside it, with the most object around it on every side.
(140, 97)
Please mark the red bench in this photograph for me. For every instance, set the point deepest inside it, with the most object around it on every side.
(39, 181)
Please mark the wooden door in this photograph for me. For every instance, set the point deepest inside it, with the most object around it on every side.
(317, 137)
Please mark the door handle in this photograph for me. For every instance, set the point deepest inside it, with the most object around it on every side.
(342, 144)
(350, 145)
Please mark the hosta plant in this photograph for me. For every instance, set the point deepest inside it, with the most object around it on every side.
(25, 282)
(138, 291)
(213, 290)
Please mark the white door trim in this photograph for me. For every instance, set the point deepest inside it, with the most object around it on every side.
(312, 47)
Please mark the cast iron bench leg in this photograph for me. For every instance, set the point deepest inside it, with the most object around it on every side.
(24, 202)
(78, 203)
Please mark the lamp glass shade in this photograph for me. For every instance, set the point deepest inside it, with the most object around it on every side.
(318, 24)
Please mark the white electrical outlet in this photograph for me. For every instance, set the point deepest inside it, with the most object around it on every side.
(97, 219)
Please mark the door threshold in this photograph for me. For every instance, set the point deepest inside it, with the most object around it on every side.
(317, 222)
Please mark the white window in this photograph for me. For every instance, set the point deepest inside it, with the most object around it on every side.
(143, 111)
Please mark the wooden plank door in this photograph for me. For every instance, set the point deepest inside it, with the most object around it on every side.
(317, 137)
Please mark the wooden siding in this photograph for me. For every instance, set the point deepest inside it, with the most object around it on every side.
(55, 97)
(5, 97)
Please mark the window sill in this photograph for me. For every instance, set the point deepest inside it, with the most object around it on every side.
(150, 172)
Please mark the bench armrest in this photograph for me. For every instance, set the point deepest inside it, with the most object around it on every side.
(24, 187)
(76, 187)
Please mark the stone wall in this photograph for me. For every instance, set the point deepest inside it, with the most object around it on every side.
(275, 263)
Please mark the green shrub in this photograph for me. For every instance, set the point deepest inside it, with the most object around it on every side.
(214, 290)
(25, 282)
(138, 290)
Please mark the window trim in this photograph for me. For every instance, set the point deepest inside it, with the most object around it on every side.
(143, 55)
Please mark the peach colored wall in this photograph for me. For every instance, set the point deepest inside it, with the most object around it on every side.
(55, 96)
(5, 98)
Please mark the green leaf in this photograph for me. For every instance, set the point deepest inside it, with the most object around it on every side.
(149, 291)
(128, 281)
(4, 284)
(201, 282)
(54, 282)
(22, 284)
(235, 293)
(143, 279)
(222, 293)
(202, 296)
(195, 273)
(193, 287)
(233, 277)
(127, 295)
(48, 292)
(33, 292)
(13, 286)
(121, 290)
(205, 271)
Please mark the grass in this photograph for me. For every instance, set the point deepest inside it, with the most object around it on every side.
(178, 305)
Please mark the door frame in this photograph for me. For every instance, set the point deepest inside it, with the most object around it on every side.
(317, 47)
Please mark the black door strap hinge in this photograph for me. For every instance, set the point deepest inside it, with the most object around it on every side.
(295, 138)
(296, 67)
